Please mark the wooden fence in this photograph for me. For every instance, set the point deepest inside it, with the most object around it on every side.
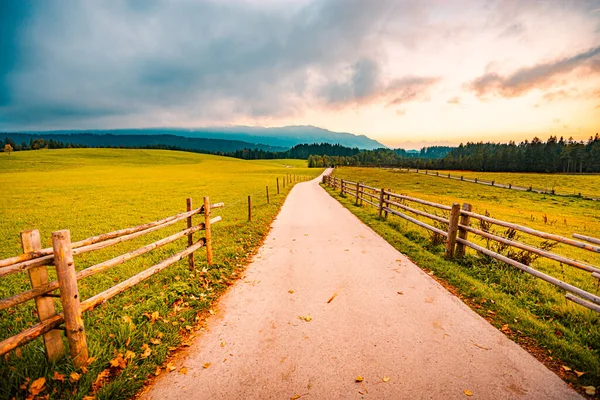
(458, 227)
(461, 178)
(35, 259)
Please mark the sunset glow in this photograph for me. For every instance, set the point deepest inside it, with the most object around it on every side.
(407, 74)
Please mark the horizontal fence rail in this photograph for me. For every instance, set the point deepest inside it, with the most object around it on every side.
(443, 174)
(457, 222)
(35, 259)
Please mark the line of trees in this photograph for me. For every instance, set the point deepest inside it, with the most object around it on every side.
(553, 155)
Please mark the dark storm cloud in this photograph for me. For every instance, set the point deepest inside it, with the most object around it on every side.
(204, 58)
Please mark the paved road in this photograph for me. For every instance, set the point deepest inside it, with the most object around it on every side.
(425, 342)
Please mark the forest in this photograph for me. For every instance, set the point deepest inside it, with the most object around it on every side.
(552, 155)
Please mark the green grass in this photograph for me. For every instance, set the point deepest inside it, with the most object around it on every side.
(530, 307)
(93, 191)
(565, 184)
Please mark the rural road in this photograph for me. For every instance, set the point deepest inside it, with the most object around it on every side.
(425, 341)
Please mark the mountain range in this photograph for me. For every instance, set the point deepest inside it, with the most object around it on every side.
(256, 137)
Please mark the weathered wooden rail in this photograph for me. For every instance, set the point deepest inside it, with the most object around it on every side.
(35, 259)
(447, 175)
(457, 222)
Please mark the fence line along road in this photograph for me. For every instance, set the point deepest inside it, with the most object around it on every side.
(35, 259)
(458, 227)
(491, 183)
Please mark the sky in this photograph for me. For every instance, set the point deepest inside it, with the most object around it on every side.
(406, 73)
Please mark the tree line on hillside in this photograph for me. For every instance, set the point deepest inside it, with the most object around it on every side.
(553, 155)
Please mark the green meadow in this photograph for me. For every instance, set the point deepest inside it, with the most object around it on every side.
(530, 311)
(567, 184)
(94, 191)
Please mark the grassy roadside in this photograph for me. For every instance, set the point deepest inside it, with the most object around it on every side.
(559, 334)
(566, 184)
(92, 191)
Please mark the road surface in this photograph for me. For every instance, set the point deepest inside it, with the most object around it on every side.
(327, 300)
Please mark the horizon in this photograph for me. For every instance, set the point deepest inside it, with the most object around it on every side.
(493, 72)
(408, 145)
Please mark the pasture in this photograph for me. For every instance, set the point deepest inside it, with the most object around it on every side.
(530, 311)
(93, 191)
(566, 184)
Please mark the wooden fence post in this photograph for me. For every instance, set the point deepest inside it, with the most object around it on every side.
(342, 186)
(452, 230)
(381, 202)
(357, 189)
(249, 208)
(30, 240)
(465, 221)
(387, 197)
(69, 296)
(277, 185)
(283, 182)
(362, 195)
(191, 235)
(207, 231)
(268, 202)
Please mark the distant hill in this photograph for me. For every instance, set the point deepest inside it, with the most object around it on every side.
(282, 137)
(123, 140)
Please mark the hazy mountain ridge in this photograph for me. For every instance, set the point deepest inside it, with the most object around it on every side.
(282, 137)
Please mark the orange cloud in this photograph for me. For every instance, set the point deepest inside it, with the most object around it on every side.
(538, 76)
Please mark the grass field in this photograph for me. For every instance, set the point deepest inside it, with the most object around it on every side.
(531, 311)
(93, 191)
(569, 184)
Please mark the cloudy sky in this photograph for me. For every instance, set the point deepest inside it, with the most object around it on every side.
(407, 73)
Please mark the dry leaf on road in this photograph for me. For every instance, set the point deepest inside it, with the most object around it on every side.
(359, 379)
(468, 392)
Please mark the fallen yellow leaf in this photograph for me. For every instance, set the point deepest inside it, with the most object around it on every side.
(222, 344)
(37, 386)
(579, 373)
(118, 362)
(155, 341)
(307, 318)
(183, 370)
(358, 379)
(291, 291)
(468, 392)
(385, 379)
(566, 368)
(206, 365)
(74, 377)
(170, 366)
(129, 355)
(58, 376)
(147, 351)
(591, 390)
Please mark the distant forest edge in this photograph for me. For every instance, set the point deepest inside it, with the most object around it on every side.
(553, 155)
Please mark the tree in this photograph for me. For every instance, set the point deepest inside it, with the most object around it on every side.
(8, 149)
